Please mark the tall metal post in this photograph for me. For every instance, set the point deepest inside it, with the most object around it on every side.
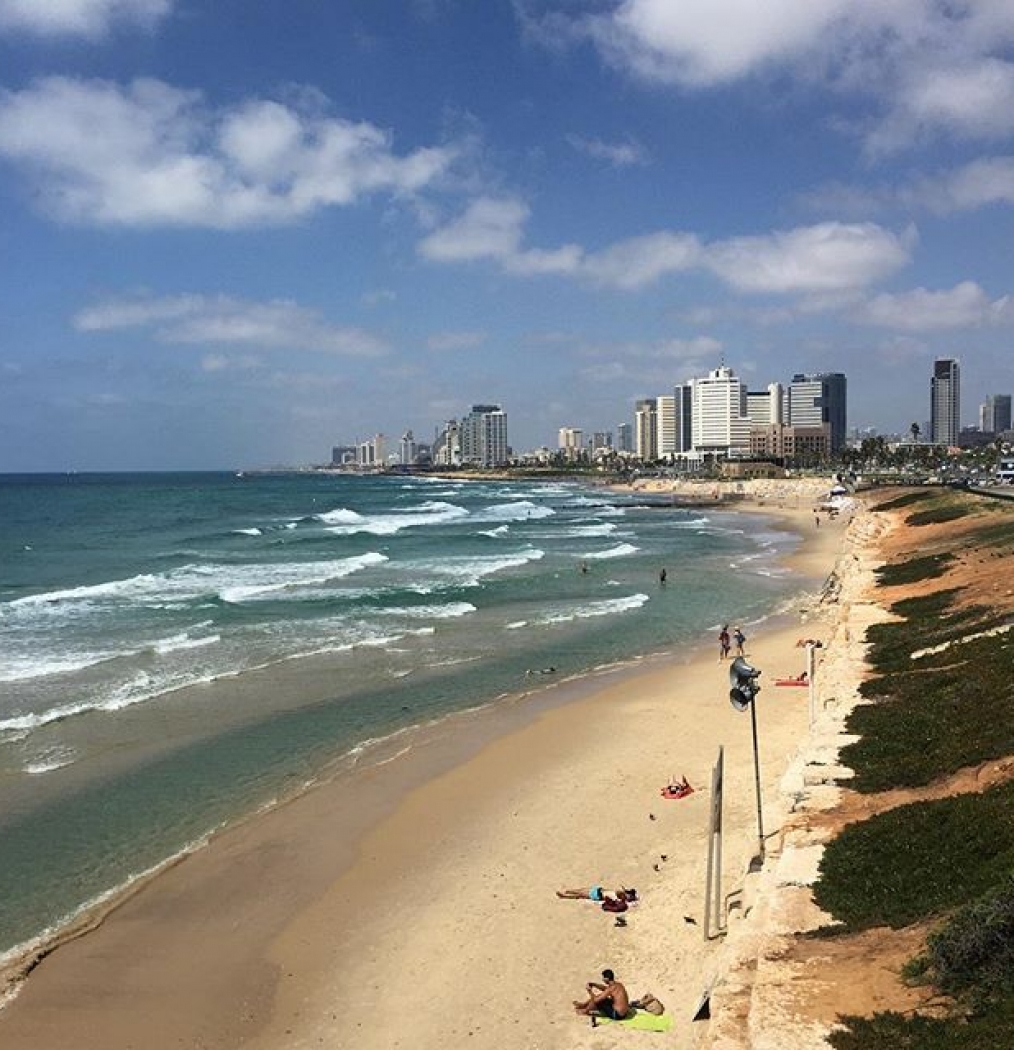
(810, 664)
(757, 778)
(713, 880)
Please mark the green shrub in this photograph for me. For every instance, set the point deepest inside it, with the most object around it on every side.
(926, 567)
(918, 861)
(937, 515)
(972, 955)
(894, 1031)
(905, 501)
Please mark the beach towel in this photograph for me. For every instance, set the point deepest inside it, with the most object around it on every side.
(790, 681)
(641, 1021)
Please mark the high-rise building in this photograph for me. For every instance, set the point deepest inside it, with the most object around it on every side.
(372, 453)
(945, 402)
(484, 436)
(665, 420)
(407, 449)
(624, 437)
(569, 441)
(766, 407)
(820, 397)
(447, 445)
(646, 429)
(994, 415)
(684, 403)
(719, 422)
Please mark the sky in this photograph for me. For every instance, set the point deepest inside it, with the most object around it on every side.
(236, 233)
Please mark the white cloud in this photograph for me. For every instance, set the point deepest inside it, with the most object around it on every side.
(639, 261)
(619, 154)
(151, 154)
(829, 257)
(965, 305)
(825, 258)
(86, 18)
(988, 180)
(198, 319)
(929, 67)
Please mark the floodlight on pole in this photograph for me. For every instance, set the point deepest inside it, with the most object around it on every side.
(742, 693)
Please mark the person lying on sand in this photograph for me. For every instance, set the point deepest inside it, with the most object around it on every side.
(596, 893)
(605, 1000)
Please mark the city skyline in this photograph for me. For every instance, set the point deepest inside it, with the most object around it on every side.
(236, 234)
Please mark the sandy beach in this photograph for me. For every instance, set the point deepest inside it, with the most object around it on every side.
(414, 904)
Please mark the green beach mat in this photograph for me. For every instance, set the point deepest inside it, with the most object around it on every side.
(642, 1021)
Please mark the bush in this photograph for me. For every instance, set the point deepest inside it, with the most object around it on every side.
(937, 515)
(918, 861)
(927, 567)
(905, 501)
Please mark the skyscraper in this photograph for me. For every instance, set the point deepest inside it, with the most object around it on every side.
(484, 436)
(646, 429)
(994, 415)
(820, 397)
(719, 419)
(945, 402)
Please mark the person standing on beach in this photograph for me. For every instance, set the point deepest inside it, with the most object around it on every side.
(739, 638)
(724, 642)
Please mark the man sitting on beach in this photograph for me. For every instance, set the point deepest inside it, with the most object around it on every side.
(605, 1000)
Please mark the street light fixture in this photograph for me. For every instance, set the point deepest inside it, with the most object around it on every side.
(742, 693)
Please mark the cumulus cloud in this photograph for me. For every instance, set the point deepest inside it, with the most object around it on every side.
(618, 154)
(83, 18)
(965, 305)
(825, 258)
(830, 256)
(223, 320)
(928, 67)
(150, 154)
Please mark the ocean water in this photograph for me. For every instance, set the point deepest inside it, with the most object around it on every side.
(177, 651)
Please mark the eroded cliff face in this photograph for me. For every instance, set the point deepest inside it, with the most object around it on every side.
(777, 988)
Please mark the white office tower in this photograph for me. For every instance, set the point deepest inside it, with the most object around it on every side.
(372, 453)
(447, 445)
(766, 407)
(484, 436)
(719, 420)
(646, 430)
(945, 402)
(665, 420)
(569, 441)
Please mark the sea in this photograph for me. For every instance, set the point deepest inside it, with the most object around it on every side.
(178, 651)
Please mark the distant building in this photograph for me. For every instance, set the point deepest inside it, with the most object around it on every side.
(446, 451)
(484, 436)
(343, 456)
(683, 397)
(602, 439)
(719, 420)
(408, 450)
(994, 415)
(766, 407)
(646, 429)
(624, 437)
(372, 453)
(665, 421)
(790, 444)
(945, 402)
(817, 398)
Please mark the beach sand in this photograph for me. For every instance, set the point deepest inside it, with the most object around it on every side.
(413, 903)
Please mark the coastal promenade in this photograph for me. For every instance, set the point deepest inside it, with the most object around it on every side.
(416, 904)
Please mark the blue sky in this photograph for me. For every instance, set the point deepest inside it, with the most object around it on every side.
(237, 233)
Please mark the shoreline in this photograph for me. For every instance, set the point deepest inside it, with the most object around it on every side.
(266, 838)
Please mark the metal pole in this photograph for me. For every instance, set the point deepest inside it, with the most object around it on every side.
(809, 678)
(757, 776)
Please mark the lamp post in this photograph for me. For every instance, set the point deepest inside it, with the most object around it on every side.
(744, 688)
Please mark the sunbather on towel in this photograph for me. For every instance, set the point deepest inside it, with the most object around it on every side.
(605, 1000)
(596, 893)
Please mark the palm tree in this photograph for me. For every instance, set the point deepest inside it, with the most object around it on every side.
(915, 428)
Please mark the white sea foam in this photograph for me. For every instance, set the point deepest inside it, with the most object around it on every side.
(45, 665)
(522, 510)
(345, 522)
(247, 532)
(609, 607)
(619, 551)
(605, 528)
(184, 641)
(450, 611)
(269, 580)
(465, 571)
(500, 530)
(49, 760)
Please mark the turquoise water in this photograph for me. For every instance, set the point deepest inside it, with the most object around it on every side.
(179, 649)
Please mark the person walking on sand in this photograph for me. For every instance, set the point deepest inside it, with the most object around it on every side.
(605, 1000)
(724, 642)
(739, 638)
